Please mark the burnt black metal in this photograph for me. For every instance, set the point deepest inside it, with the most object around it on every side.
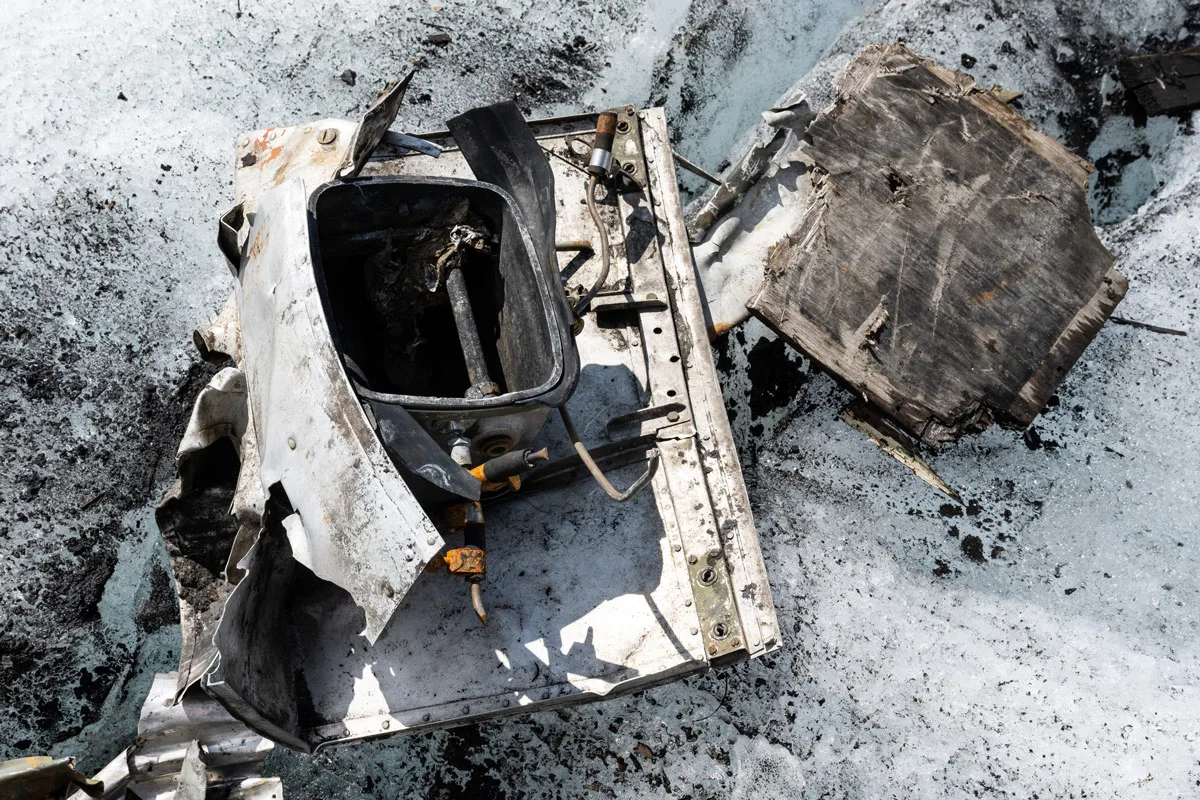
(427, 469)
(534, 345)
(501, 150)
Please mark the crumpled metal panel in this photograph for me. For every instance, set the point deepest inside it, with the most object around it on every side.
(374, 125)
(759, 204)
(198, 551)
(594, 598)
(38, 777)
(188, 749)
(361, 529)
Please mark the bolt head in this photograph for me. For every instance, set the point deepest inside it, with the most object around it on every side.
(673, 416)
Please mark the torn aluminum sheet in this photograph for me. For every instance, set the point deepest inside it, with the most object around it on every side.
(758, 204)
(188, 749)
(589, 598)
(42, 777)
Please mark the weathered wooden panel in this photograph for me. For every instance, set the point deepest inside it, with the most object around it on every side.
(946, 268)
(1164, 83)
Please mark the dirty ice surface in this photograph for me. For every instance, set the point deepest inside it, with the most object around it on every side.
(1040, 641)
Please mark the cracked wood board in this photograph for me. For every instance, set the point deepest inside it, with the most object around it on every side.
(1164, 83)
(946, 267)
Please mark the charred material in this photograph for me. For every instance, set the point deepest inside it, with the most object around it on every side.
(946, 266)
(1164, 83)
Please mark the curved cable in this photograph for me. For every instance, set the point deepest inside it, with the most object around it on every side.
(593, 468)
(581, 305)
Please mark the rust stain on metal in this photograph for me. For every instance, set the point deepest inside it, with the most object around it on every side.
(326, 158)
(466, 561)
(463, 514)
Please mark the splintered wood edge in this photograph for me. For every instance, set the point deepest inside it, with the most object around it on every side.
(870, 64)
(832, 356)
(1068, 348)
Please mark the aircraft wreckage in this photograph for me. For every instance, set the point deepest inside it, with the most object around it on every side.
(468, 456)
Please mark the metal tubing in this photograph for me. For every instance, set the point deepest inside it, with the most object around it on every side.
(583, 302)
(594, 469)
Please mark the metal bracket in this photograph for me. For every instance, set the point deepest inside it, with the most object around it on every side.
(628, 162)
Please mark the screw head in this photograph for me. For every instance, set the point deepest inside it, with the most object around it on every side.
(692, 559)
(327, 135)
(291, 443)
(714, 553)
(712, 649)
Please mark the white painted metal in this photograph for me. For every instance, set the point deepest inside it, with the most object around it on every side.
(586, 597)
(359, 526)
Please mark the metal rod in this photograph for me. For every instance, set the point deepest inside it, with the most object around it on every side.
(475, 536)
(468, 333)
(573, 244)
(477, 602)
(695, 169)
